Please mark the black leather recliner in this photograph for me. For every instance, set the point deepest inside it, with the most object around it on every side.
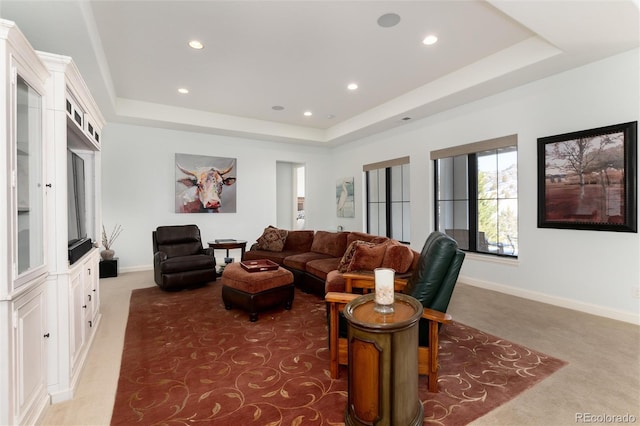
(179, 261)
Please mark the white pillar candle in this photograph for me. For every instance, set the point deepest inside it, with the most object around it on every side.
(384, 286)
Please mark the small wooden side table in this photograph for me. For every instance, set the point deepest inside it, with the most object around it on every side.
(383, 363)
(229, 245)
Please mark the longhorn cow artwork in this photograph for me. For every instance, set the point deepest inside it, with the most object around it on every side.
(201, 184)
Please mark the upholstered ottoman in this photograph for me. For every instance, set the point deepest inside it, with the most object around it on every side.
(256, 291)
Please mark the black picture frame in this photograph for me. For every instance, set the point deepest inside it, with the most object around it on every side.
(588, 179)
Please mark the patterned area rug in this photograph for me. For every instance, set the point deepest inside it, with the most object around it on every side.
(187, 360)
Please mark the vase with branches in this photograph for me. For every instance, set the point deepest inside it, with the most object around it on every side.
(108, 240)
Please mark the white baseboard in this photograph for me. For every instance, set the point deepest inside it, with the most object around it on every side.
(554, 300)
(61, 396)
(137, 268)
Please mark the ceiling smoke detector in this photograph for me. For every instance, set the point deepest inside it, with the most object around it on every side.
(389, 20)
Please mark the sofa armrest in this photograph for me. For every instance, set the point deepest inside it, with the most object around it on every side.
(335, 304)
(366, 282)
(343, 298)
(436, 316)
(208, 251)
(159, 257)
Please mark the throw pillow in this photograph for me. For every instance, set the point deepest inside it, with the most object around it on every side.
(397, 257)
(348, 255)
(367, 257)
(272, 239)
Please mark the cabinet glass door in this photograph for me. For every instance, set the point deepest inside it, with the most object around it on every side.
(29, 177)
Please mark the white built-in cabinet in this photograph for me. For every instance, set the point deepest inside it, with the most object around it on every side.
(83, 296)
(24, 331)
(49, 308)
(74, 123)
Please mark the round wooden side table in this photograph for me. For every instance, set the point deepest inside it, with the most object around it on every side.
(229, 245)
(383, 363)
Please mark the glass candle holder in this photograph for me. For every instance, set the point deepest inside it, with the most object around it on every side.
(385, 295)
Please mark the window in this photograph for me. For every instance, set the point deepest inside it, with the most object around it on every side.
(388, 205)
(476, 200)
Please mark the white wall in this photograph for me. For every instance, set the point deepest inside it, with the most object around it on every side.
(591, 271)
(585, 270)
(284, 195)
(138, 186)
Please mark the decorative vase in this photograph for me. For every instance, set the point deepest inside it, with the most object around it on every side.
(107, 254)
(384, 290)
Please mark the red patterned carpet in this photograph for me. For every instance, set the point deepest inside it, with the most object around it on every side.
(187, 360)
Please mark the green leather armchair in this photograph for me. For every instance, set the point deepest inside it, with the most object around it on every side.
(432, 283)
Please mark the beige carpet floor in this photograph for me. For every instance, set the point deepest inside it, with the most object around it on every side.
(601, 379)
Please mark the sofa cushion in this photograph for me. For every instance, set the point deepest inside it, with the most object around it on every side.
(367, 257)
(178, 234)
(343, 265)
(274, 256)
(299, 240)
(334, 282)
(178, 240)
(187, 263)
(299, 261)
(398, 257)
(416, 260)
(321, 267)
(361, 236)
(181, 249)
(331, 243)
(272, 239)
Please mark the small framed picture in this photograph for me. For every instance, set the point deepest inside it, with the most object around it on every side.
(588, 179)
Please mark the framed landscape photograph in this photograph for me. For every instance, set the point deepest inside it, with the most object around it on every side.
(588, 179)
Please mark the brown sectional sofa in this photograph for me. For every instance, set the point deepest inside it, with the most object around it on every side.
(314, 257)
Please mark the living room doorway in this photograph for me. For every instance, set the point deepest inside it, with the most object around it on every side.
(290, 195)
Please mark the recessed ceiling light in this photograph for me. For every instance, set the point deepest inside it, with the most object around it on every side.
(277, 107)
(330, 116)
(352, 86)
(183, 90)
(195, 44)
(308, 113)
(389, 20)
(430, 39)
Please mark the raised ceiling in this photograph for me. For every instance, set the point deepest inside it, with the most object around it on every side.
(301, 55)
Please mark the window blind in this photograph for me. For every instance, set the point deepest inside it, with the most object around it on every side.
(384, 164)
(470, 148)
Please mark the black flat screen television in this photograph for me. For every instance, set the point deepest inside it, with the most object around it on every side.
(79, 244)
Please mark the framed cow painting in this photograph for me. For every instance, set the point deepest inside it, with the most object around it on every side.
(205, 184)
